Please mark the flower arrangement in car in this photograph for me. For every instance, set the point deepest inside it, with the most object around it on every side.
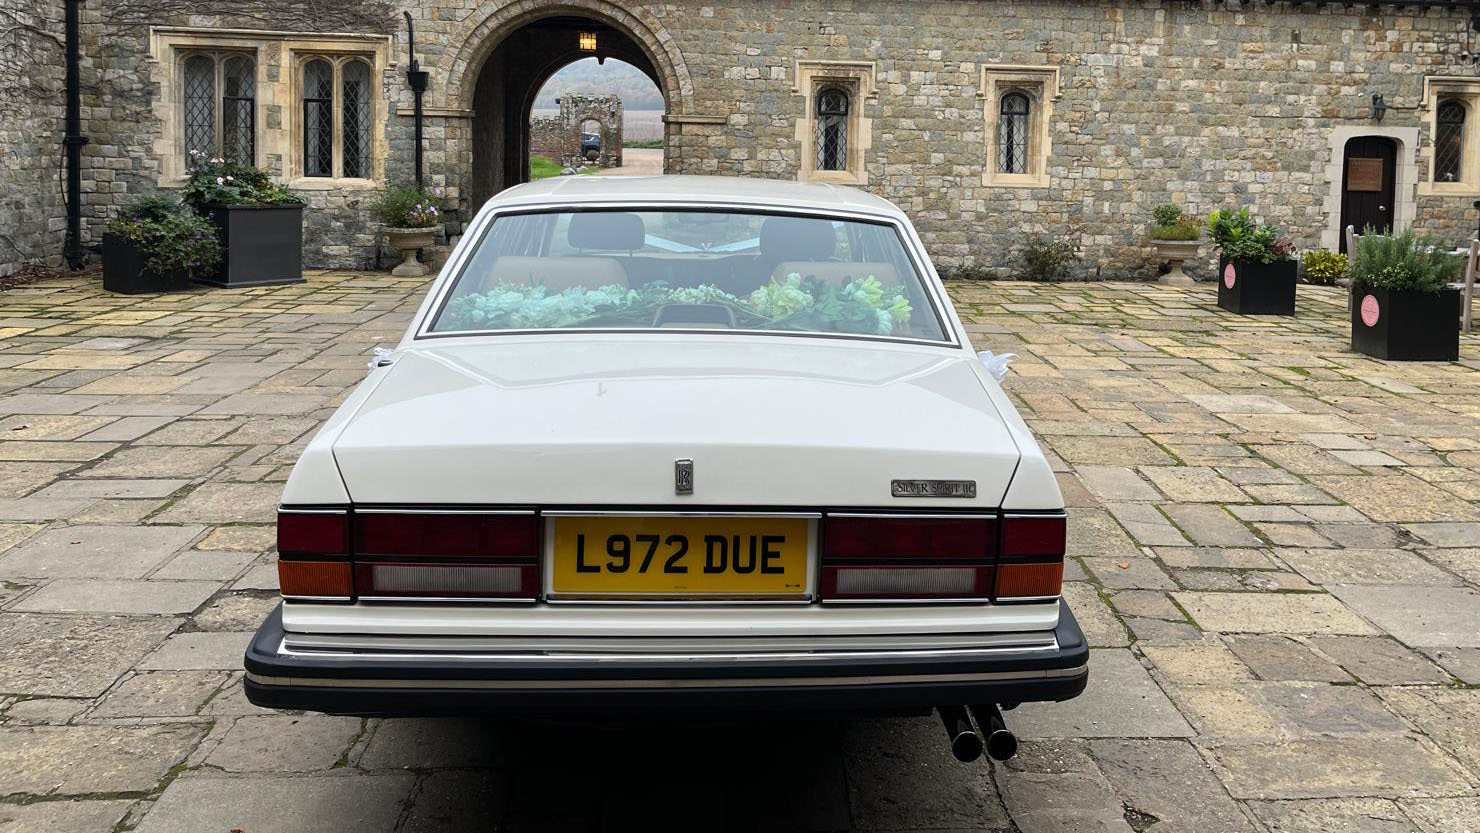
(156, 245)
(259, 222)
(410, 215)
(858, 305)
(1256, 264)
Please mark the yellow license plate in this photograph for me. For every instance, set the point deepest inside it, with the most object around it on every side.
(679, 557)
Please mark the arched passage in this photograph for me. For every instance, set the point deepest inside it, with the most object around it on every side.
(509, 57)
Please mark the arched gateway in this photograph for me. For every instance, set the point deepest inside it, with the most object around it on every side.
(508, 56)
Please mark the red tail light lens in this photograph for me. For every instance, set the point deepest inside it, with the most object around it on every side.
(904, 557)
(313, 555)
(1031, 566)
(446, 555)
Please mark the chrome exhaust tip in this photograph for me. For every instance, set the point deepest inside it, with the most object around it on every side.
(966, 743)
(1001, 744)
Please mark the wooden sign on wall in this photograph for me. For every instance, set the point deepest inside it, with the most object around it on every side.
(1363, 174)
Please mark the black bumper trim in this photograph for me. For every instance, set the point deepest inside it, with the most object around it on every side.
(367, 685)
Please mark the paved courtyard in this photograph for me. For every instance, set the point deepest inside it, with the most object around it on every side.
(1276, 557)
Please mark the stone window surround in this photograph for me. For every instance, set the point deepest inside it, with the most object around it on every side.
(1040, 84)
(857, 79)
(279, 142)
(296, 164)
(1437, 88)
(1405, 177)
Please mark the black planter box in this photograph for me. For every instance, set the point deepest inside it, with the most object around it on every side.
(1403, 325)
(261, 245)
(1249, 287)
(126, 270)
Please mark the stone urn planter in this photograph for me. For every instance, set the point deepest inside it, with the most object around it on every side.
(261, 245)
(408, 241)
(126, 270)
(1175, 253)
(1249, 287)
(1405, 324)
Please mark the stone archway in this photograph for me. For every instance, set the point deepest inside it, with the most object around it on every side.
(508, 55)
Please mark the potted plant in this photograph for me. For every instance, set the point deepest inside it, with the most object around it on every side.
(1256, 266)
(1402, 306)
(1176, 238)
(155, 245)
(1323, 267)
(410, 214)
(260, 223)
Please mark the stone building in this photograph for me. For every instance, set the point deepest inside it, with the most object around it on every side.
(558, 137)
(987, 121)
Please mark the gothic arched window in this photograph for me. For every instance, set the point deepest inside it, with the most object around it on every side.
(832, 130)
(1449, 136)
(1012, 134)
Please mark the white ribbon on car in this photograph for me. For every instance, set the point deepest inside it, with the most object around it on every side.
(381, 357)
(996, 365)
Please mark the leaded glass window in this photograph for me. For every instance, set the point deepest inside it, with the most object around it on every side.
(1449, 135)
(1012, 134)
(200, 104)
(318, 118)
(356, 119)
(238, 109)
(832, 130)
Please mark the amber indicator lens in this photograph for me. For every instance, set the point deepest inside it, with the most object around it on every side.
(315, 579)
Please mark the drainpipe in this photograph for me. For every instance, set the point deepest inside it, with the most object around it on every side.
(73, 139)
(416, 77)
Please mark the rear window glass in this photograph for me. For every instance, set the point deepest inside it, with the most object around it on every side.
(689, 270)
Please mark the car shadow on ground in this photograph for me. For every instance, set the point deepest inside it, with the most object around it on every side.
(754, 774)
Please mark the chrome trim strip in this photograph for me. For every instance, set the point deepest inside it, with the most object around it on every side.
(984, 601)
(785, 682)
(676, 657)
(339, 599)
(657, 646)
(474, 600)
(985, 514)
(288, 510)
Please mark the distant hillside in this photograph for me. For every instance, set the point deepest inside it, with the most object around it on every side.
(612, 78)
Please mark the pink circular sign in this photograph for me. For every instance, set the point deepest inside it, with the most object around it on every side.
(1229, 275)
(1370, 311)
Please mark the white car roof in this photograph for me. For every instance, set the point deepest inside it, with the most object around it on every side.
(726, 190)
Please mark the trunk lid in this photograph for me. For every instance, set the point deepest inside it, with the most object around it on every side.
(576, 420)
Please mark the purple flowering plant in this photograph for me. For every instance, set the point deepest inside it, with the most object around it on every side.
(171, 235)
(408, 206)
(217, 181)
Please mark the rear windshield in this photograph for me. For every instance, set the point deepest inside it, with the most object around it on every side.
(689, 270)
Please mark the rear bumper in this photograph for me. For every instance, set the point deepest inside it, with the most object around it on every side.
(375, 684)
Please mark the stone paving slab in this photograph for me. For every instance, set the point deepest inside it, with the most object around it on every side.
(1290, 645)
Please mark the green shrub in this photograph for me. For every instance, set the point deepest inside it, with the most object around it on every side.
(408, 206)
(171, 235)
(1047, 260)
(1407, 260)
(1238, 237)
(216, 181)
(1323, 267)
(1166, 214)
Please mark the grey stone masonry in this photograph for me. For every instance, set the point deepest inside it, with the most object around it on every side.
(1204, 104)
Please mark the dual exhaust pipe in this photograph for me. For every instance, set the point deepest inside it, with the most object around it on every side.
(974, 729)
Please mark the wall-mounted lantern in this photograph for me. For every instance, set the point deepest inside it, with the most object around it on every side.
(1379, 107)
(587, 41)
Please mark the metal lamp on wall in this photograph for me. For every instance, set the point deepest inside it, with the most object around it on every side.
(1379, 107)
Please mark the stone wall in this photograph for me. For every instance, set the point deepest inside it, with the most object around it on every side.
(1203, 104)
(32, 213)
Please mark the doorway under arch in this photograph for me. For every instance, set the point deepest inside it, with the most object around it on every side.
(519, 56)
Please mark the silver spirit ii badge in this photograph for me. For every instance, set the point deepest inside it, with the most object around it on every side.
(683, 477)
(934, 488)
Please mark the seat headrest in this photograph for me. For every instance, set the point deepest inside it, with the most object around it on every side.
(607, 231)
(797, 238)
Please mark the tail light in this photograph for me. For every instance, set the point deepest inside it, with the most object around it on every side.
(876, 557)
(313, 554)
(1031, 564)
(335, 556)
(446, 555)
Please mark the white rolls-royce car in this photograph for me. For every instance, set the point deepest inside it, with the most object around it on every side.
(679, 444)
